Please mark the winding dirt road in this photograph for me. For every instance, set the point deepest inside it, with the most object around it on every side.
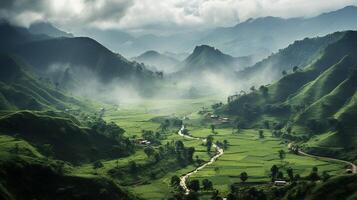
(353, 166)
(183, 178)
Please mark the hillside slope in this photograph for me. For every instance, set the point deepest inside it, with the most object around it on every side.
(26, 174)
(20, 90)
(317, 101)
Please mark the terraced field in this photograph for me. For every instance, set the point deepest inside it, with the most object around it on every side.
(255, 156)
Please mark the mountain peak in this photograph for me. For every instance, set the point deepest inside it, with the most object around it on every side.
(205, 48)
(47, 29)
(150, 53)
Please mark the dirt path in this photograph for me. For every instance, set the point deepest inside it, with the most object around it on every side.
(183, 178)
(353, 166)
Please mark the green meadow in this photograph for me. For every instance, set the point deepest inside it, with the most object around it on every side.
(246, 151)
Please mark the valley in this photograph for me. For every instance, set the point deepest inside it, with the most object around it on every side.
(195, 101)
(246, 152)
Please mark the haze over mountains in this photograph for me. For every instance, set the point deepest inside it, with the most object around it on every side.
(78, 120)
(258, 37)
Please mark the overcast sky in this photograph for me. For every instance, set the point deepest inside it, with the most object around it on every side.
(142, 15)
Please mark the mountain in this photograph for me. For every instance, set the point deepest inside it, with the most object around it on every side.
(10, 36)
(157, 61)
(315, 105)
(70, 61)
(80, 52)
(19, 89)
(177, 56)
(267, 34)
(299, 54)
(254, 37)
(47, 29)
(207, 58)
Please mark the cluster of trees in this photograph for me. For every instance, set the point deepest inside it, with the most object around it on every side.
(193, 185)
(247, 193)
(223, 144)
(277, 174)
(171, 122)
(153, 137)
(184, 155)
(110, 129)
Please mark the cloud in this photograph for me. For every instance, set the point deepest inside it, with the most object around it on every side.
(67, 13)
(155, 15)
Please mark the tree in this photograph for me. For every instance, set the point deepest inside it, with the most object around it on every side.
(288, 130)
(133, 167)
(165, 125)
(280, 175)
(290, 173)
(282, 154)
(225, 144)
(149, 151)
(212, 128)
(96, 165)
(264, 90)
(252, 88)
(261, 134)
(266, 124)
(209, 142)
(284, 73)
(179, 146)
(194, 185)
(190, 152)
(192, 196)
(325, 176)
(175, 181)
(274, 172)
(185, 131)
(243, 176)
(314, 176)
(47, 150)
(295, 68)
(207, 184)
(297, 177)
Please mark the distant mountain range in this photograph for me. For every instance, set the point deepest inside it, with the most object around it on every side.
(72, 58)
(157, 61)
(267, 34)
(257, 37)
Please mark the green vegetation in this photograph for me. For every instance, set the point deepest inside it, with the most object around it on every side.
(53, 145)
(307, 106)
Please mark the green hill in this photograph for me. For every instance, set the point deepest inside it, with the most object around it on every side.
(340, 187)
(317, 101)
(26, 174)
(300, 53)
(20, 90)
(209, 59)
(65, 138)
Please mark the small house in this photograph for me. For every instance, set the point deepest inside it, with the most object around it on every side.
(280, 183)
(143, 142)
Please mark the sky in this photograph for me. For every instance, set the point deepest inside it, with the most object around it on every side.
(157, 15)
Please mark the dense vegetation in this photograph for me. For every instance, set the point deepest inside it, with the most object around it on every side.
(316, 101)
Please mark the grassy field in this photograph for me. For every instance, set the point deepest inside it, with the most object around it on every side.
(255, 156)
(246, 151)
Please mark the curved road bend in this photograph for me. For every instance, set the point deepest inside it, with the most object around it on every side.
(183, 178)
(353, 166)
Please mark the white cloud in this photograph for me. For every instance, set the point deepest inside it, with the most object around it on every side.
(162, 14)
